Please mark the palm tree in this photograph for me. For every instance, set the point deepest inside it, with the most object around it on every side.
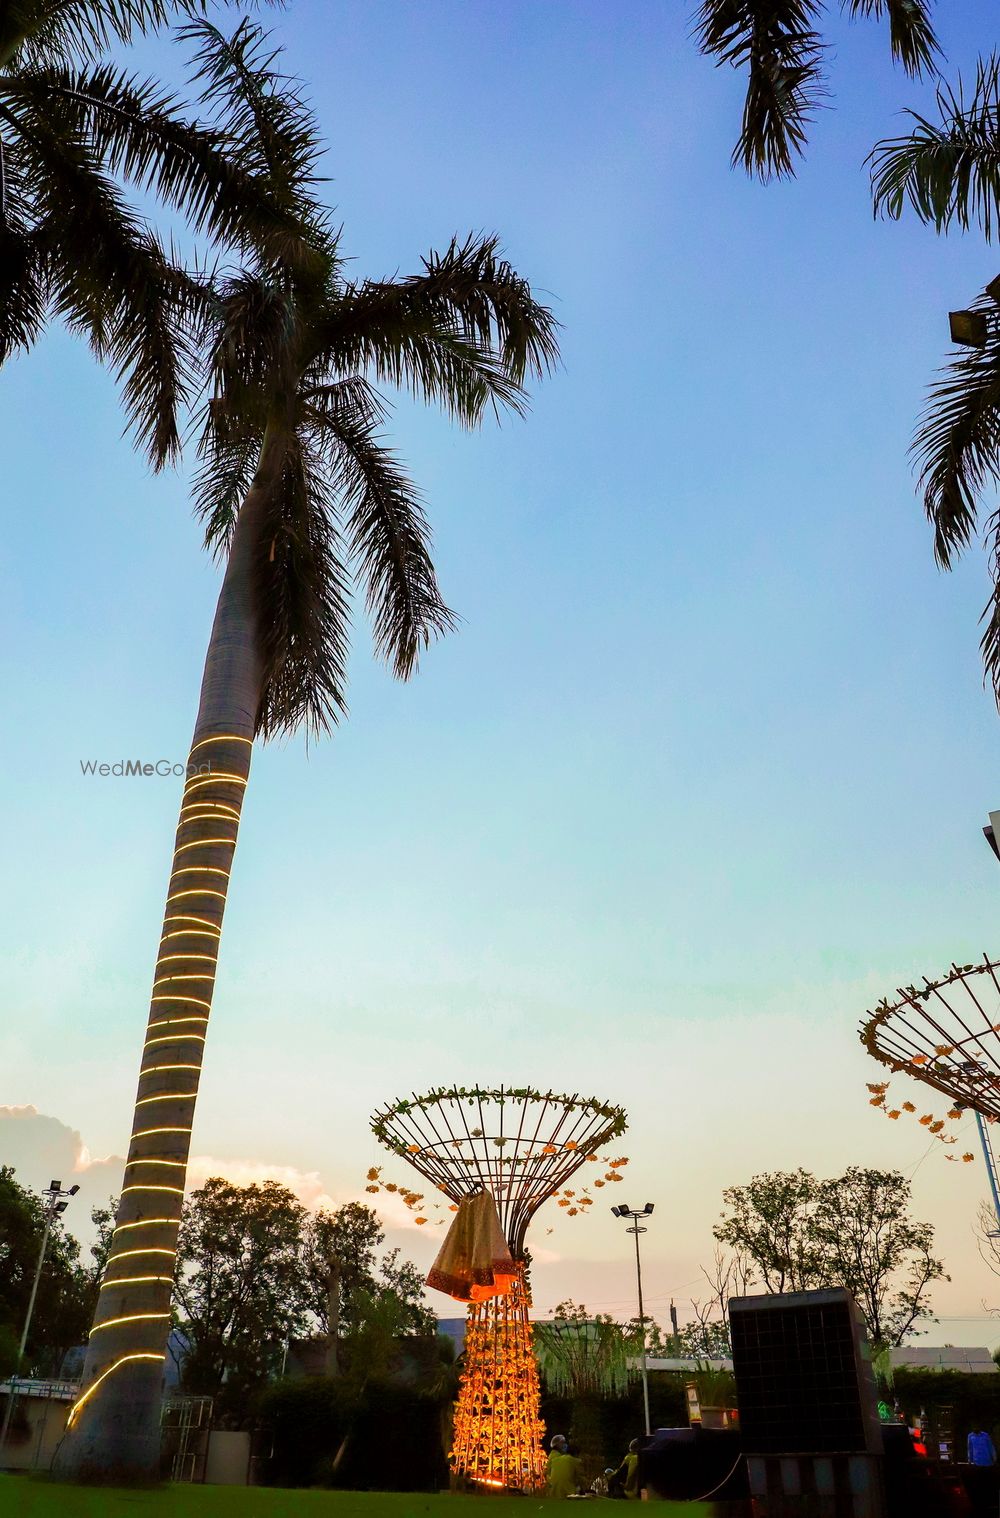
(71, 124)
(948, 172)
(298, 491)
(780, 45)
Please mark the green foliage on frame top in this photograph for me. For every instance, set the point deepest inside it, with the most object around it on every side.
(476, 1096)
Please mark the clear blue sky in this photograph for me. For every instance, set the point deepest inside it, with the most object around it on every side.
(703, 772)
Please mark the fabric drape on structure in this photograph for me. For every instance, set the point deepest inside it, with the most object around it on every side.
(474, 1262)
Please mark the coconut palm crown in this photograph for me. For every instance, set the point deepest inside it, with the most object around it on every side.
(73, 129)
(781, 46)
(301, 496)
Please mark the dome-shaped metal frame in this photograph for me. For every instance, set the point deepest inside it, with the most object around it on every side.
(518, 1143)
(945, 1033)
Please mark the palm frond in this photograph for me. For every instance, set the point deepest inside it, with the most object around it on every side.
(778, 44)
(946, 170)
(23, 289)
(328, 401)
(136, 131)
(263, 112)
(911, 32)
(113, 282)
(387, 531)
(84, 29)
(229, 456)
(990, 641)
(302, 596)
(957, 443)
(581, 1354)
(254, 325)
(464, 334)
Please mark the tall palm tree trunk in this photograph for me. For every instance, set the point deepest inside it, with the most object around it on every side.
(114, 1426)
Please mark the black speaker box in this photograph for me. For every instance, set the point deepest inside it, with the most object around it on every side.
(803, 1374)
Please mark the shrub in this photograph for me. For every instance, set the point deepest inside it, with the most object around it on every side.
(388, 1438)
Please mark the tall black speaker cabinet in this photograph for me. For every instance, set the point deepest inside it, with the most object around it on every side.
(808, 1405)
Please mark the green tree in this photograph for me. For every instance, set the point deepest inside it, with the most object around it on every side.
(343, 1270)
(62, 1305)
(855, 1231)
(341, 1253)
(770, 1221)
(10, 1358)
(299, 492)
(103, 1221)
(72, 125)
(781, 47)
(871, 1245)
(379, 1320)
(406, 1282)
(241, 1291)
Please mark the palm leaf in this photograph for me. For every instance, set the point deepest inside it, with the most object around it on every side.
(229, 457)
(776, 41)
(946, 170)
(990, 641)
(23, 289)
(580, 1354)
(911, 33)
(957, 444)
(84, 29)
(114, 283)
(135, 130)
(388, 534)
(302, 595)
(264, 113)
(464, 334)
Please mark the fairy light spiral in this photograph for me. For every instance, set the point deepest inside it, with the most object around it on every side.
(130, 1328)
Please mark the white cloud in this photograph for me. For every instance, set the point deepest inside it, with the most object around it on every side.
(42, 1148)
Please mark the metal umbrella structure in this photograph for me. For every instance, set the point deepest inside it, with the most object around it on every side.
(946, 1033)
(522, 1146)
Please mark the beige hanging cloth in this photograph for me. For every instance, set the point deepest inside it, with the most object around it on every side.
(474, 1262)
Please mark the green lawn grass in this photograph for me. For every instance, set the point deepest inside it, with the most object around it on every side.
(24, 1497)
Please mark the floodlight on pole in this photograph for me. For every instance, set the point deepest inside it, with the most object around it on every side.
(56, 1203)
(970, 329)
(624, 1211)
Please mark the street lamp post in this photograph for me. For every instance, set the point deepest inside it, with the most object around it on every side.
(635, 1214)
(57, 1202)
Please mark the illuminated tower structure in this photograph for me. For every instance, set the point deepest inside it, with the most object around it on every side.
(946, 1033)
(522, 1146)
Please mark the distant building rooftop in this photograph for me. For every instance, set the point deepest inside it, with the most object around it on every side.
(689, 1365)
(974, 1361)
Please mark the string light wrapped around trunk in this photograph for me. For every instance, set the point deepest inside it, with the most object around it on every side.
(126, 1352)
(522, 1146)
